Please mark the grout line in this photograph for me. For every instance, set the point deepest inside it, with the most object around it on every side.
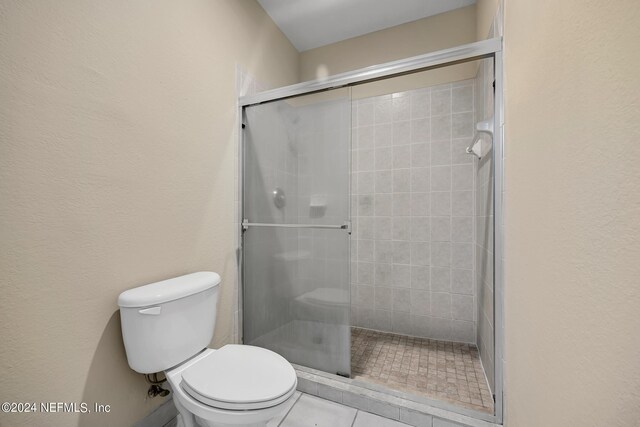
(287, 414)
(354, 418)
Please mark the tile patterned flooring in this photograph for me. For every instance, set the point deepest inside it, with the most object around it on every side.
(311, 411)
(438, 369)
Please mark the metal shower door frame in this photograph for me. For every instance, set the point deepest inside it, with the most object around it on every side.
(490, 48)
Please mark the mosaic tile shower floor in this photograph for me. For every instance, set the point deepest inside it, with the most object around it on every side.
(437, 369)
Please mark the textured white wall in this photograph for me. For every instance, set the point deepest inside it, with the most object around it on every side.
(485, 13)
(422, 36)
(572, 213)
(116, 169)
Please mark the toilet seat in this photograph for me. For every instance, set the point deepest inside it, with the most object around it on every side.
(240, 377)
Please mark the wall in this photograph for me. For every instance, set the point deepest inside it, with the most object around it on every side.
(572, 209)
(116, 170)
(412, 186)
(485, 14)
(422, 36)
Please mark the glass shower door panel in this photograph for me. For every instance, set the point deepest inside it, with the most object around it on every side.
(296, 295)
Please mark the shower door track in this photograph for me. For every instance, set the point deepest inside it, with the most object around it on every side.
(490, 48)
(442, 58)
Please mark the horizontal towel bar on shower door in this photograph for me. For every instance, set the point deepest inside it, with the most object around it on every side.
(346, 226)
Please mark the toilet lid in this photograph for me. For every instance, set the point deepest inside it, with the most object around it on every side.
(240, 377)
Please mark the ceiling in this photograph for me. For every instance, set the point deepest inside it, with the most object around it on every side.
(313, 23)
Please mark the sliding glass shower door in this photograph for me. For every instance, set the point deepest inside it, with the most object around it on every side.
(296, 298)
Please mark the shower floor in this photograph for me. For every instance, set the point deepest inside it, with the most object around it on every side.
(437, 369)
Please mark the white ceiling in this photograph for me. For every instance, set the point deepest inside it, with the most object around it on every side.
(313, 23)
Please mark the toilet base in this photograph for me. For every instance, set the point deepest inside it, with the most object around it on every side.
(187, 419)
(205, 423)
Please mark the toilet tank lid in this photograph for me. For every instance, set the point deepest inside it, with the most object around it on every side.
(169, 290)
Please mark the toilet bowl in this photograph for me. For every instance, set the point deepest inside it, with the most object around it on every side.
(166, 326)
(236, 385)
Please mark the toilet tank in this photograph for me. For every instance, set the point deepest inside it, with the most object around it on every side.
(167, 322)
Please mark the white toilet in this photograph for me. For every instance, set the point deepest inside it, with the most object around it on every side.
(167, 326)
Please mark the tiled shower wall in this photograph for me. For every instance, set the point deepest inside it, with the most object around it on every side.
(484, 225)
(412, 206)
(322, 136)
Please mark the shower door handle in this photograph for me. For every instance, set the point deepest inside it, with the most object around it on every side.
(346, 226)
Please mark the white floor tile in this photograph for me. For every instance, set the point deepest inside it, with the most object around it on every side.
(277, 420)
(365, 419)
(312, 411)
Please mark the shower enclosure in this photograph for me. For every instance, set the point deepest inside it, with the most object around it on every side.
(368, 216)
(296, 229)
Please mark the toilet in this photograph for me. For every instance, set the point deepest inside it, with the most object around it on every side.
(167, 326)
